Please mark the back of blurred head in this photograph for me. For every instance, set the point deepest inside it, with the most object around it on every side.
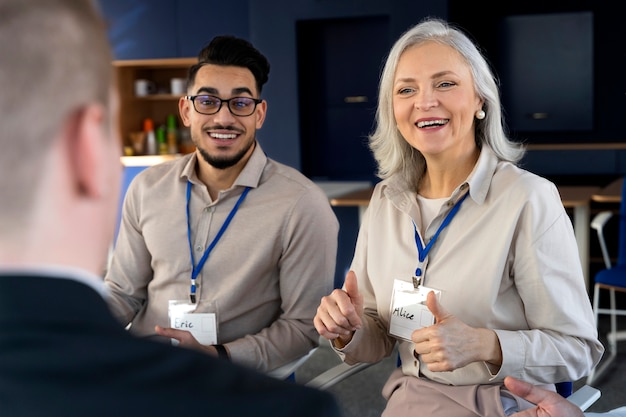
(56, 79)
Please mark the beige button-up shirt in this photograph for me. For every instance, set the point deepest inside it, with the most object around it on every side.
(265, 275)
(508, 261)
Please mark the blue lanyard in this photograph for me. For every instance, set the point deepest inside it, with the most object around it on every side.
(422, 251)
(195, 269)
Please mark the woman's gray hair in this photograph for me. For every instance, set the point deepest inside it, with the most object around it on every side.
(391, 151)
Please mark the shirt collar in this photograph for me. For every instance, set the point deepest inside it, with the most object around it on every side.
(478, 180)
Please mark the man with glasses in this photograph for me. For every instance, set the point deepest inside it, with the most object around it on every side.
(225, 250)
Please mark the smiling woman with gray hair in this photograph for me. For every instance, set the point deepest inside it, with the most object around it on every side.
(464, 260)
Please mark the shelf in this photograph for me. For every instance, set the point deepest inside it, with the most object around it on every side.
(576, 146)
(157, 97)
(155, 63)
(146, 160)
(134, 110)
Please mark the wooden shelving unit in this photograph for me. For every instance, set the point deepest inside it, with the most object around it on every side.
(133, 110)
(577, 146)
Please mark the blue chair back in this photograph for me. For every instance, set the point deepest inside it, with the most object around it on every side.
(565, 388)
(621, 255)
(129, 174)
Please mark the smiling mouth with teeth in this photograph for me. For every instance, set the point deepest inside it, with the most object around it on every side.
(430, 123)
(223, 135)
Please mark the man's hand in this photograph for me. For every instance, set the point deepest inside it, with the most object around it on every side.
(548, 403)
(185, 339)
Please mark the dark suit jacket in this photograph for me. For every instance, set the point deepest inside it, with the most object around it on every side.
(62, 353)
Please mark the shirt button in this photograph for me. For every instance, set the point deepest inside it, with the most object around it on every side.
(198, 248)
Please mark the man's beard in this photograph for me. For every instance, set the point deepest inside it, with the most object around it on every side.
(224, 162)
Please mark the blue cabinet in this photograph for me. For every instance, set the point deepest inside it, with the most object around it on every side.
(581, 163)
(140, 29)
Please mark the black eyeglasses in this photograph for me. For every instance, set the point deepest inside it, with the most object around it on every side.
(238, 106)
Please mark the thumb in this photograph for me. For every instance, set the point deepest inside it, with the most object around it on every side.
(352, 289)
(164, 331)
(432, 302)
(518, 387)
(532, 393)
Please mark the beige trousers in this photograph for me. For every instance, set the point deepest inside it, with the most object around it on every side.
(408, 396)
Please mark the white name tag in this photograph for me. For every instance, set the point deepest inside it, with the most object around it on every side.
(408, 309)
(203, 326)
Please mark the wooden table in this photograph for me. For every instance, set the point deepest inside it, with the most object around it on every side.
(576, 198)
(334, 189)
(358, 198)
(612, 193)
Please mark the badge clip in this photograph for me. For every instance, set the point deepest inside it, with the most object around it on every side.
(417, 281)
(192, 293)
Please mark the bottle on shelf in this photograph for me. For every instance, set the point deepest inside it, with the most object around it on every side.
(185, 143)
(172, 134)
(162, 144)
(151, 143)
(138, 142)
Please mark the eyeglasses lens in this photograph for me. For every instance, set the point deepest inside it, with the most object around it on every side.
(239, 106)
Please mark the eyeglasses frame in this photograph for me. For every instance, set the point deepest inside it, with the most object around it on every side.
(256, 101)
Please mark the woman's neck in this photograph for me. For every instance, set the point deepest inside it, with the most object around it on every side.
(442, 177)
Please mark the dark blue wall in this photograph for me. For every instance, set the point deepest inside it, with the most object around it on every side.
(144, 29)
(608, 102)
(273, 30)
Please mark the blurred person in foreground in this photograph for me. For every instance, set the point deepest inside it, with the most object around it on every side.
(465, 261)
(62, 353)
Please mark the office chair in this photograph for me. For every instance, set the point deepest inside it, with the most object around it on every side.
(130, 171)
(288, 370)
(612, 278)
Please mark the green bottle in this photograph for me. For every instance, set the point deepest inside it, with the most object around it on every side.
(172, 135)
(162, 144)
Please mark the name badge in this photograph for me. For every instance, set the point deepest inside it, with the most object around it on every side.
(203, 326)
(408, 309)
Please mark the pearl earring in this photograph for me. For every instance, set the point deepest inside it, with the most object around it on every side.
(480, 114)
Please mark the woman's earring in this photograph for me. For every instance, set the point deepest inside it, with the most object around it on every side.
(480, 115)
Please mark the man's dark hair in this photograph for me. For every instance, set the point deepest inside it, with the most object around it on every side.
(227, 50)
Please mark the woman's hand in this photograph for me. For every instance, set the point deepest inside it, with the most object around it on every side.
(450, 344)
(339, 314)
